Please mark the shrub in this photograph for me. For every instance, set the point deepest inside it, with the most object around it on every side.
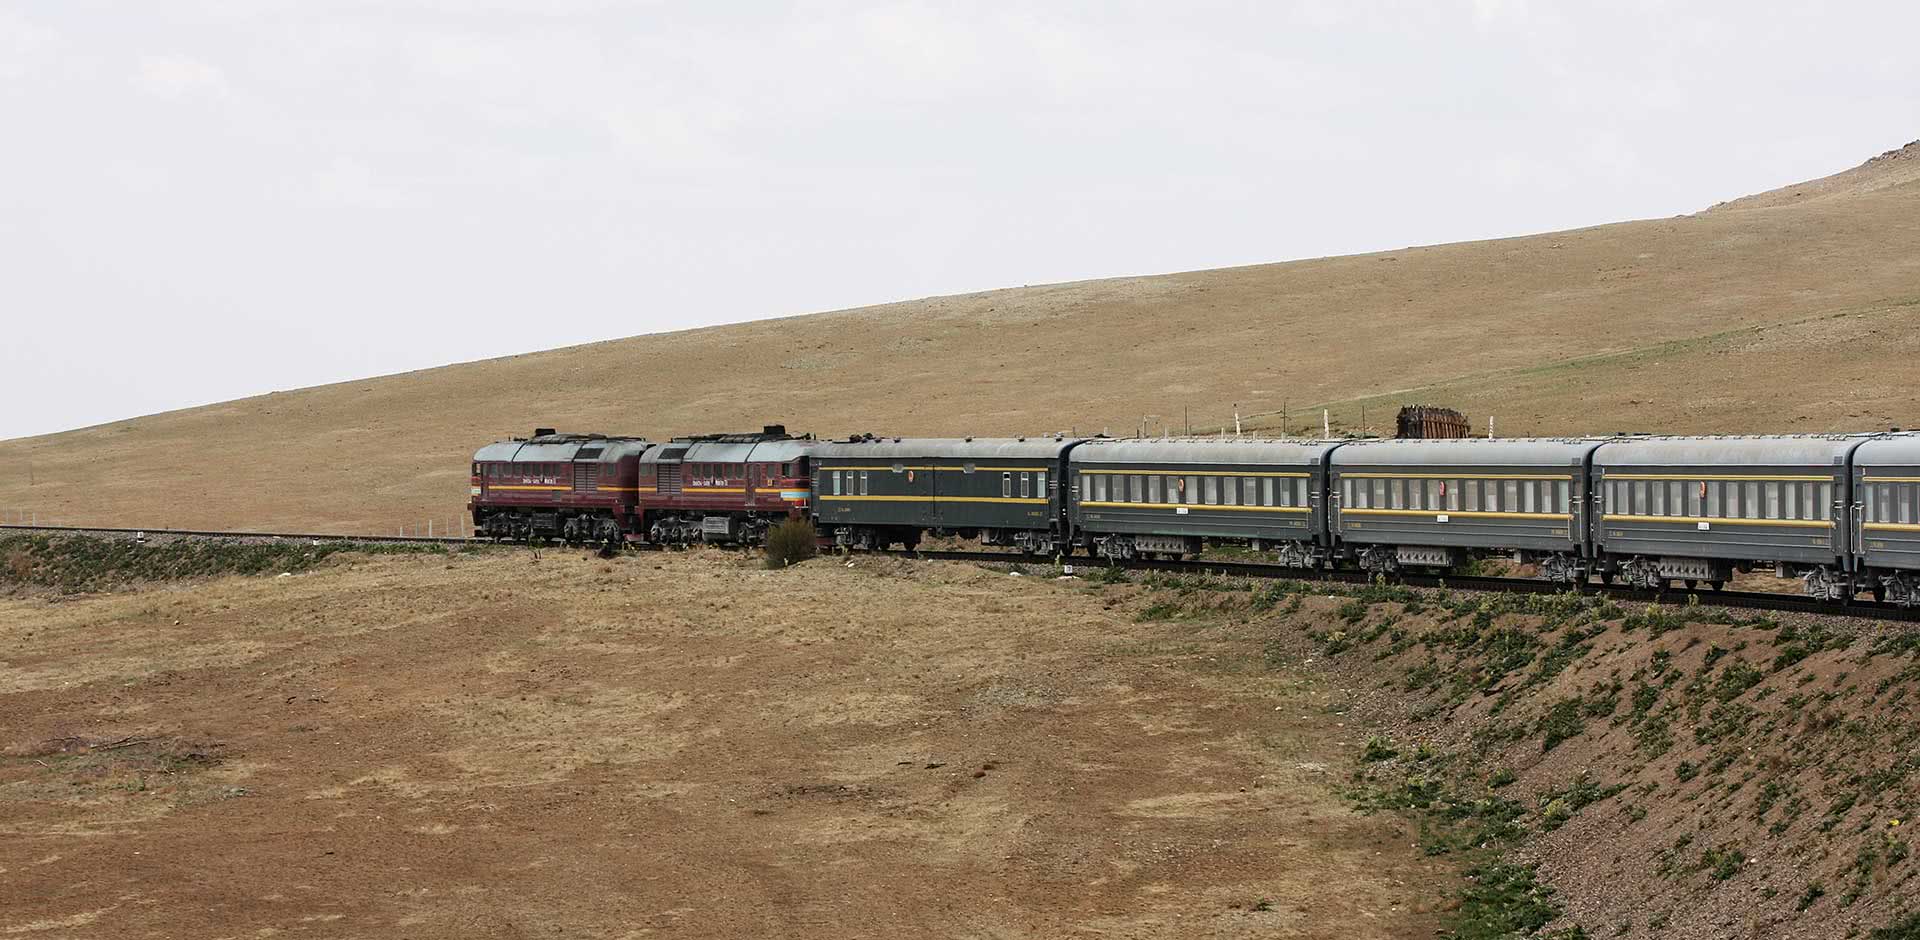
(19, 565)
(791, 542)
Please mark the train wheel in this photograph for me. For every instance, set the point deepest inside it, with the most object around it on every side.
(1692, 584)
(1717, 585)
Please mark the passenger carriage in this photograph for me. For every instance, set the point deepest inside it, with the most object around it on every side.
(1438, 503)
(877, 492)
(1698, 509)
(1886, 504)
(1171, 498)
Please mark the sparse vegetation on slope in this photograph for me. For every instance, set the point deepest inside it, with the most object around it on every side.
(78, 563)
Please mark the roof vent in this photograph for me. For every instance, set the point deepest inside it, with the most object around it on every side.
(774, 430)
(542, 432)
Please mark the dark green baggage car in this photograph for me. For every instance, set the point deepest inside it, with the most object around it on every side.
(877, 492)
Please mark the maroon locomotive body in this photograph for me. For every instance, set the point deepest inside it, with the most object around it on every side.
(579, 488)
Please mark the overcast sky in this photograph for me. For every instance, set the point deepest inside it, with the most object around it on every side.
(208, 199)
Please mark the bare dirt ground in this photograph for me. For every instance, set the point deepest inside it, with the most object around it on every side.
(1795, 310)
(673, 745)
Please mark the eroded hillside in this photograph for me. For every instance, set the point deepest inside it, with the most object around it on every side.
(1793, 311)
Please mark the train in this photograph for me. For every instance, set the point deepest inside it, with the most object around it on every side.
(1839, 511)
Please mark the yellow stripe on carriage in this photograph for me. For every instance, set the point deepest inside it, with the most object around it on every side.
(1716, 520)
(1464, 514)
(1193, 506)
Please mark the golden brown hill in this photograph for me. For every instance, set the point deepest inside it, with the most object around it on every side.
(1789, 311)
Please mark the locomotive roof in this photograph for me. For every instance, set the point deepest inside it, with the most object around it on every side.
(1823, 450)
(561, 447)
(918, 447)
(774, 451)
(1467, 451)
(1239, 451)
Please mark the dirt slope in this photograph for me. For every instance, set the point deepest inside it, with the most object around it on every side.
(683, 745)
(1783, 312)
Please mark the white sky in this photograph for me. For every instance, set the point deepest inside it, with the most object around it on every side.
(207, 199)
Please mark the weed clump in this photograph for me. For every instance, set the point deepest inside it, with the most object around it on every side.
(791, 542)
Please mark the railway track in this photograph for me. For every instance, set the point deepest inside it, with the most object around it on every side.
(1751, 600)
(279, 536)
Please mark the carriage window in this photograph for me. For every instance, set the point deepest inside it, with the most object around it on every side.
(1713, 500)
(1266, 492)
(1250, 491)
(1155, 487)
(1026, 485)
(1190, 490)
(1230, 491)
(1773, 501)
(1348, 497)
(1789, 500)
(1006, 484)
(1510, 495)
(864, 489)
(1695, 494)
(1809, 494)
(1906, 503)
(1527, 503)
(1040, 484)
(1213, 490)
(1473, 494)
(1141, 482)
(1379, 493)
(1659, 506)
(1825, 505)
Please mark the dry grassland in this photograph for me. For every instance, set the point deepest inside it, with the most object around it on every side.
(682, 745)
(1790, 311)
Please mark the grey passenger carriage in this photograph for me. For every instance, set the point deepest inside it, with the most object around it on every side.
(1886, 501)
(876, 492)
(1436, 503)
(1698, 508)
(1134, 498)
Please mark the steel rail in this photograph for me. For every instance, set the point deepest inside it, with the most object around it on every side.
(1751, 600)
